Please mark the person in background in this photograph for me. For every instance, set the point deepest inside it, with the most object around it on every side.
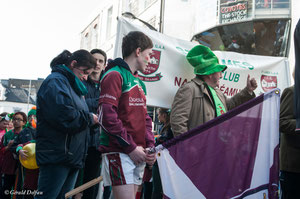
(4, 121)
(91, 168)
(10, 160)
(165, 133)
(289, 146)
(126, 127)
(201, 100)
(27, 135)
(63, 123)
(10, 125)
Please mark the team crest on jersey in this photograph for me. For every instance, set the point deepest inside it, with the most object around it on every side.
(151, 74)
(268, 82)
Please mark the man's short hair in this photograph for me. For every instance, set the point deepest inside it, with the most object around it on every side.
(101, 52)
(134, 40)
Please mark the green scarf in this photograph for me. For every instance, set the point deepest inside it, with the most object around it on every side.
(220, 109)
(78, 86)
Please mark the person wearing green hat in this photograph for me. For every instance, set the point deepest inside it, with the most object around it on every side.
(200, 100)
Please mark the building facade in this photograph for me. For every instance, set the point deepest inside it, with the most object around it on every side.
(101, 30)
(18, 94)
(266, 26)
(260, 27)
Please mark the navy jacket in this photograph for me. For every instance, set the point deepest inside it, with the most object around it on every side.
(63, 121)
(297, 75)
(26, 135)
(92, 99)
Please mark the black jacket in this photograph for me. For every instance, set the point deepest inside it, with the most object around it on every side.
(63, 121)
(92, 98)
(165, 135)
(26, 135)
(297, 74)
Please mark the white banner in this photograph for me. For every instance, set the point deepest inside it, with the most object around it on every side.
(169, 68)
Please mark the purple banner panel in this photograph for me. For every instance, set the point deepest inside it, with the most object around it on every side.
(219, 156)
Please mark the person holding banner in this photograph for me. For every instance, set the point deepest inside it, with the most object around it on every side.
(289, 143)
(126, 128)
(289, 146)
(200, 100)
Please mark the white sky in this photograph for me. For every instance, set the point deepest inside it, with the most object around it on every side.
(33, 32)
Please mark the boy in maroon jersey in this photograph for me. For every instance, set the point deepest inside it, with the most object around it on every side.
(126, 128)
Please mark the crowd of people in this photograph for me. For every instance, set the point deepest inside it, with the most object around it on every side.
(14, 177)
(91, 119)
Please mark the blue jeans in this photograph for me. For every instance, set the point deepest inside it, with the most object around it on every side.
(55, 181)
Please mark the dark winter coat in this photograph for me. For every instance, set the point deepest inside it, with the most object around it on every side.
(290, 139)
(92, 98)
(63, 121)
(26, 135)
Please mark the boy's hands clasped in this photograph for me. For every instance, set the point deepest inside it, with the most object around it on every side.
(150, 157)
(140, 155)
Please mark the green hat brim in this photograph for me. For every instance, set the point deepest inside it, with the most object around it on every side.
(212, 69)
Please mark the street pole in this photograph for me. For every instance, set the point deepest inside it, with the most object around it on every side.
(161, 16)
(28, 96)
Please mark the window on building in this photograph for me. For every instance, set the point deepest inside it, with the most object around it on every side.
(94, 37)
(272, 4)
(227, 1)
(85, 41)
(109, 22)
(263, 37)
(281, 3)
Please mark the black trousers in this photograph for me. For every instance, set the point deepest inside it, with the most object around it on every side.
(91, 171)
(157, 192)
(8, 185)
(290, 185)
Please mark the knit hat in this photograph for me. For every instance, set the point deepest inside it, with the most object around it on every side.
(204, 61)
(32, 111)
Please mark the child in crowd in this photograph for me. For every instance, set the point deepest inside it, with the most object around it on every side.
(4, 121)
(28, 135)
(9, 166)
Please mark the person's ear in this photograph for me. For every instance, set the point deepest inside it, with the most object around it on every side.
(138, 51)
(73, 64)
